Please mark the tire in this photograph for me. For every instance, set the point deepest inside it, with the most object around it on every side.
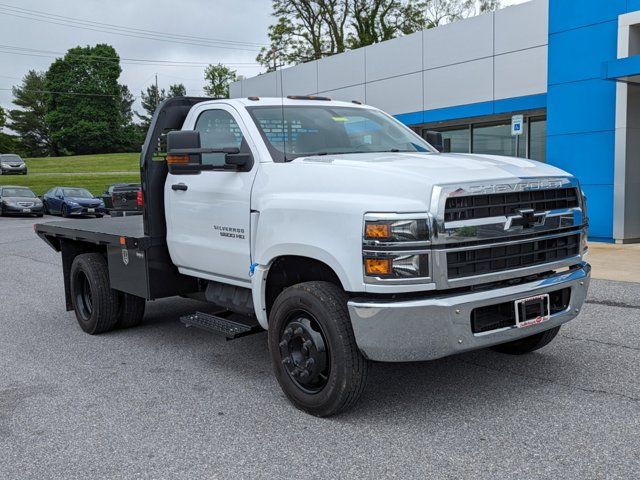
(527, 344)
(40, 215)
(316, 312)
(46, 209)
(98, 215)
(94, 302)
(131, 311)
(2, 212)
(64, 211)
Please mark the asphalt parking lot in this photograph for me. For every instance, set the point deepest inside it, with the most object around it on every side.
(164, 401)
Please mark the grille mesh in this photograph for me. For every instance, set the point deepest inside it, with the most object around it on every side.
(500, 258)
(503, 204)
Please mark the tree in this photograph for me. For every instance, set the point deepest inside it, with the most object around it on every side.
(218, 78)
(85, 103)
(154, 96)
(3, 118)
(28, 120)
(308, 30)
(150, 99)
(177, 90)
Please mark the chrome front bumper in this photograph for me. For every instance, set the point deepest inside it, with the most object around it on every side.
(438, 326)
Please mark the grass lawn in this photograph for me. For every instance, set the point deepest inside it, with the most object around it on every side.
(93, 172)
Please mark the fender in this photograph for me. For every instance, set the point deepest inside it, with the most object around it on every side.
(260, 272)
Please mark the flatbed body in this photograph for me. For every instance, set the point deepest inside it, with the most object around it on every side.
(139, 264)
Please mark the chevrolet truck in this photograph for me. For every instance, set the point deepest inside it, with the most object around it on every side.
(340, 231)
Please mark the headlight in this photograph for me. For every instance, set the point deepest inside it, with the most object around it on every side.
(5, 165)
(396, 248)
(400, 230)
(396, 266)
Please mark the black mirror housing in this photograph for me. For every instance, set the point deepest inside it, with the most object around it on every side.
(186, 143)
(435, 139)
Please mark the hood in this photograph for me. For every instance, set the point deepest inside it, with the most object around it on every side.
(34, 200)
(84, 201)
(440, 168)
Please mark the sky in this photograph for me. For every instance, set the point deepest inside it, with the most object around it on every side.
(236, 28)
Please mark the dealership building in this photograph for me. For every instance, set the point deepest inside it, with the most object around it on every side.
(570, 68)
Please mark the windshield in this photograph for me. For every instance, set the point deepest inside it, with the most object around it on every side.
(76, 193)
(295, 131)
(11, 158)
(18, 192)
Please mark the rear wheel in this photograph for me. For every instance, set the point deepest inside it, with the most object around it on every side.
(527, 344)
(131, 311)
(95, 304)
(314, 353)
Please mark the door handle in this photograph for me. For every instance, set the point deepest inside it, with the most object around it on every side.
(179, 186)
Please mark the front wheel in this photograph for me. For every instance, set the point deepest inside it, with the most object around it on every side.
(65, 211)
(313, 349)
(527, 344)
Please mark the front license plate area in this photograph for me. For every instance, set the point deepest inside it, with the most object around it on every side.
(91, 210)
(26, 210)
(532, 311)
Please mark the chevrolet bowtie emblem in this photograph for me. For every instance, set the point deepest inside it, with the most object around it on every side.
(525, 219)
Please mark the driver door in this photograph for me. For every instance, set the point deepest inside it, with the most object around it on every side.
(209, 214)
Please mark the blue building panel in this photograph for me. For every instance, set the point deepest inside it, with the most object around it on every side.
(582, 53)
(569, 14)
(600, 204)
(586, 155)
(507, 105)
(579, 107)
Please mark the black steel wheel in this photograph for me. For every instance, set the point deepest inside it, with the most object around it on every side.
(95, 304)
(303, 349)
(313, 349)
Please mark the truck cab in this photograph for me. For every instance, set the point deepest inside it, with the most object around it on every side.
(345, 235)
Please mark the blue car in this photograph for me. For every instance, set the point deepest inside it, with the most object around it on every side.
(72, 201)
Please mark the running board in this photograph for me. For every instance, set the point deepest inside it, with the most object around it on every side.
(221, 324)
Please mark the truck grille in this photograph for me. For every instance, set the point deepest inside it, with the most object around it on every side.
(503, 204)
(482, 261)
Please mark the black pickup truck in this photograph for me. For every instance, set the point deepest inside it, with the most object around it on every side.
(123, 199)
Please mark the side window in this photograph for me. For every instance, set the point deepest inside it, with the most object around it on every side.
(217, 129)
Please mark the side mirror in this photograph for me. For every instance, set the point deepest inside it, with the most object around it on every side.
(435, 139)
(184, 154)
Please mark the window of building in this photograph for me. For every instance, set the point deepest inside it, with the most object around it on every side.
(538, 140)
(497, 140)
(494, 138)
(457, 140)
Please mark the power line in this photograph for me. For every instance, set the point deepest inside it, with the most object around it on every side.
(40, 13)
(126, 61)
(122, 33)
(83, 94)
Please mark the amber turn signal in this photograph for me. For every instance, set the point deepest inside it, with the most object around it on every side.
(377, 230)
(178, 159)
(377, 266)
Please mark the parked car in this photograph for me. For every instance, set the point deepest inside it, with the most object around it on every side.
(72, 201)
(11, 163)
(123, 199)
(19, 201)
